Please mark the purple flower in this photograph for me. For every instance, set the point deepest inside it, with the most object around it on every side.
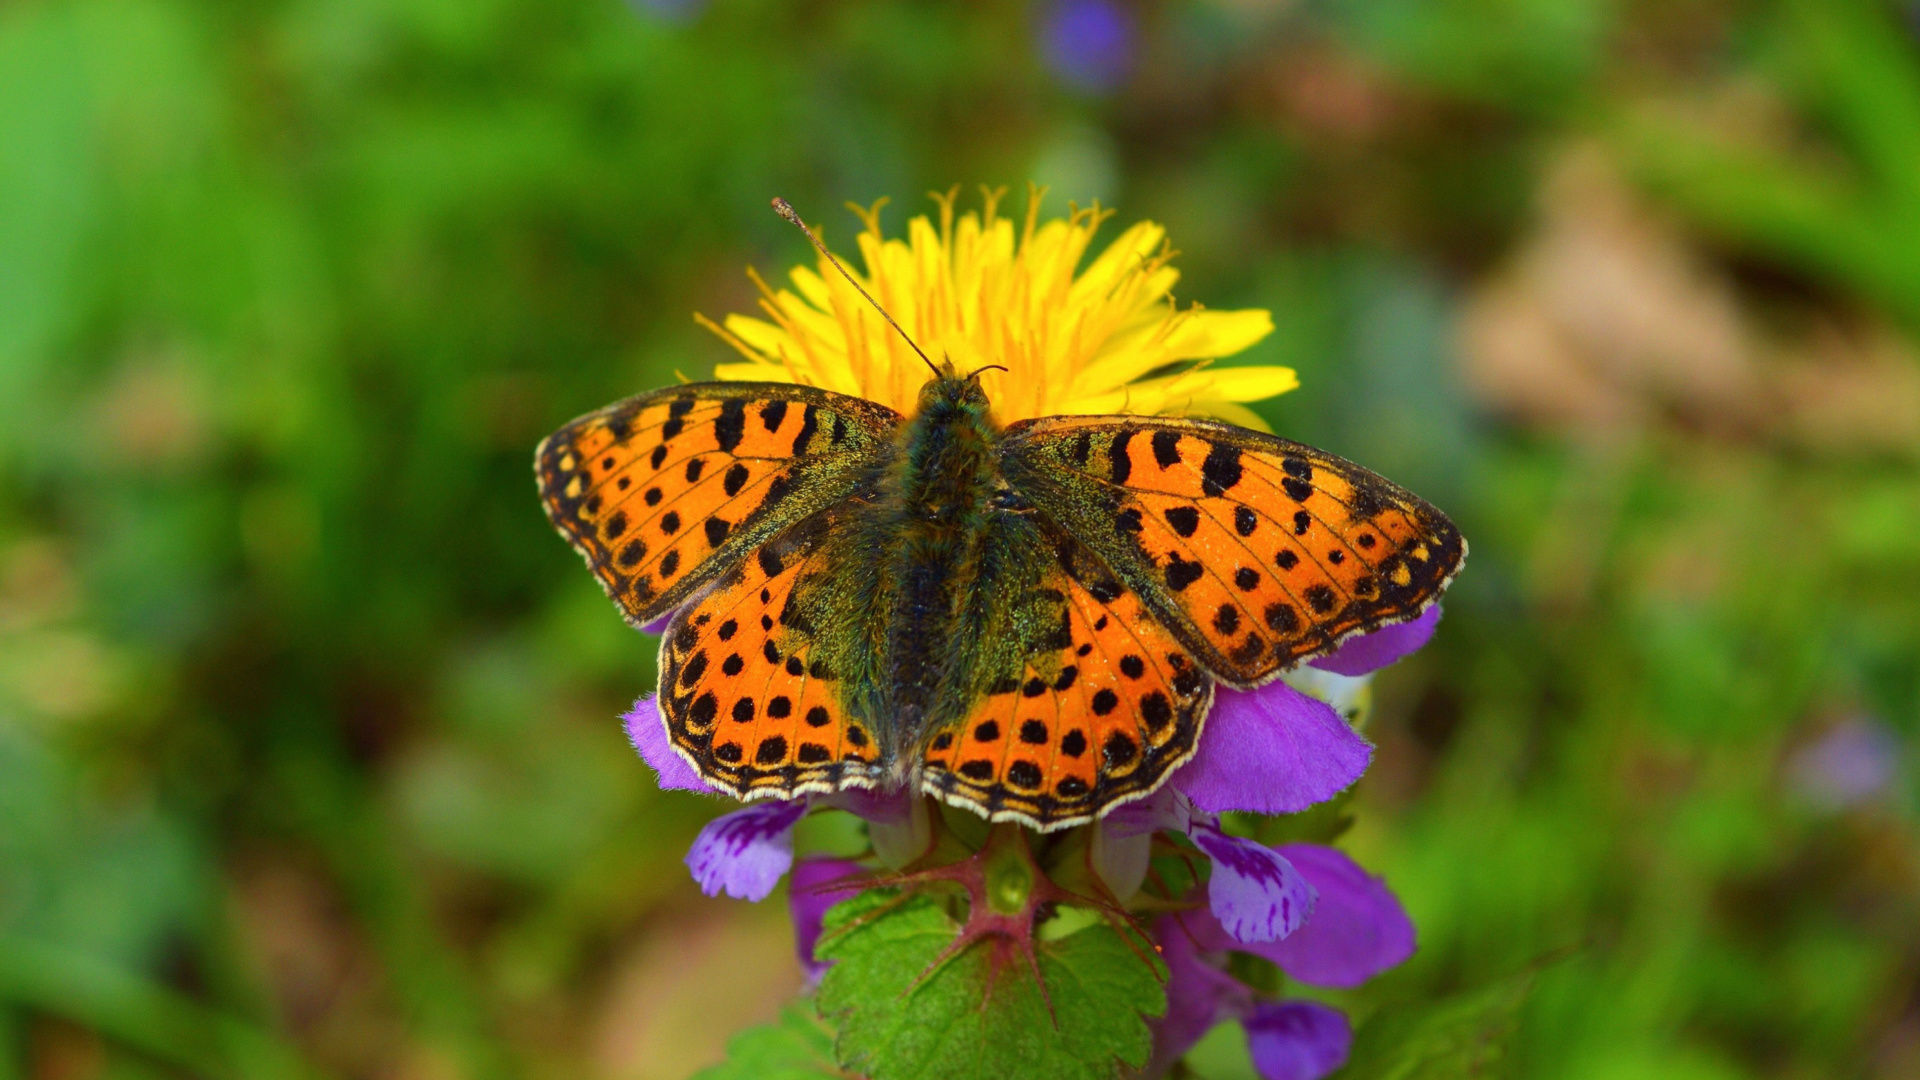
(1088, 43)
(1255, 892)
(1371, 652)
(647, 731)
(1199, 995)
(1356, 930)
(818, 885)
(1297, 1040)
(1271, 751)
(1275, 750)
(745, 854)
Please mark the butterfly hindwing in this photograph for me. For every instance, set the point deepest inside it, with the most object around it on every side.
(661, 491)
(1257, 551)
(1094, 705)
(746, 684)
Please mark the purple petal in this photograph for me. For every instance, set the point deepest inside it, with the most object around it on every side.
(1199, 995)
(889, 806)
(647, 731)
(1371, 652)
(1271, 751)
(1167, 808)
(898, 824)
(745, 853)
(1358, 928)
(812, 892)
(1297, 1040)
(659, 625)
(1255, 892)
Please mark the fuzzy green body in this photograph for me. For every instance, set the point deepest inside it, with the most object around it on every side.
(934, 586)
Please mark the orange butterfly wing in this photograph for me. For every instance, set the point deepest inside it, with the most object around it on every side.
(662, 491)
(746, 689)
(1106, 704)
(1257, 552)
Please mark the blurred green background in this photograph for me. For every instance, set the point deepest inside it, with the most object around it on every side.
(309, 761)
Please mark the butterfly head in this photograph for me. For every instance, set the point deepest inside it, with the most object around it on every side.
(949, 391)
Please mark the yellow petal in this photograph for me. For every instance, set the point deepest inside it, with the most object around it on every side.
(1231, 412)
(748, 372)
(1219, 333)
(1252, 383)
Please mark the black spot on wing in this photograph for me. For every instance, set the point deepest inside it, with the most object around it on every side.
(1166, 448)
(1181, 573)
(676, 419)
(1222, 470)
(809, 426)
(1184, 519)
(731, 426)
(1117, 456)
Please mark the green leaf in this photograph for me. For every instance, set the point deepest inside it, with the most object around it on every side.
(798, 1046)
(895, 1025)
(1454, 1038)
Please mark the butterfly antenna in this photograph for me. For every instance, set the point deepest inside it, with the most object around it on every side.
(780, 207)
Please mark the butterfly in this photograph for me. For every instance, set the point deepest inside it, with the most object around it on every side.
(1028, 621)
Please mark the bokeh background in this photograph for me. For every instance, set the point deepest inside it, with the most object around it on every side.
(309, 760)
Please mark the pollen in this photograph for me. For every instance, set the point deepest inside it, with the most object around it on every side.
(1074, 336)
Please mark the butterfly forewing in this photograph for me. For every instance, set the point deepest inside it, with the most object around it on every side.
(663, 490)
(1096, 709)
(1258, 552)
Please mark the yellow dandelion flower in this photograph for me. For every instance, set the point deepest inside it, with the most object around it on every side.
(1104, 339)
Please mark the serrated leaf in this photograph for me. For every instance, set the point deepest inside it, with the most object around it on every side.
(896, 1026)
(1455, 1038)
(798, 1046)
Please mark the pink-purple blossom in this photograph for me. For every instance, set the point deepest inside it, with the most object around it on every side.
(745, 854)
(818, 884)
(1275, 750)
(1357, 929)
